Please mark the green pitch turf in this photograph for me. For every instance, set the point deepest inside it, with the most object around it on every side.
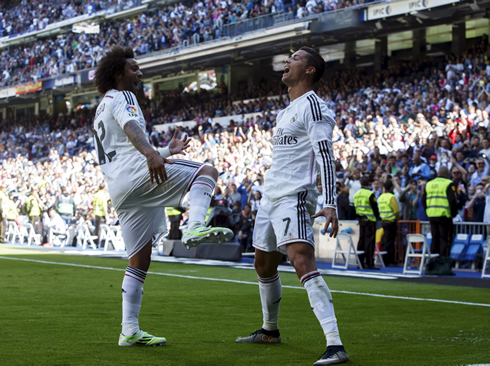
(64, 315)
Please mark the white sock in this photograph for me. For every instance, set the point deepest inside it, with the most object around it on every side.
(270, 296)
(200, 196)
(132, 294)
(322, 304)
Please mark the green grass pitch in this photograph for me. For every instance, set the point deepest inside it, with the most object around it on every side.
(65, 315)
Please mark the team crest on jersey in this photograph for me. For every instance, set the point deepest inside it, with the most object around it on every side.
(133, 112)
(295, 118)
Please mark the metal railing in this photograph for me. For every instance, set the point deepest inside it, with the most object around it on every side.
(423, 227)
(463, 227)
(252, 24)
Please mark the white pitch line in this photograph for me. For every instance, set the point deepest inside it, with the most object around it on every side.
(250, 283)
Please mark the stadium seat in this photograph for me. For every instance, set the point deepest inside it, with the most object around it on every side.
(57, 239)
(103, 234)
(12, 232)
(378, 256)
(113, 236)
(486, 262)
(346, 254)
(428, 238)
(473, 250)
(84, 238)
(30, 235)
(458, 248)
(418, 259)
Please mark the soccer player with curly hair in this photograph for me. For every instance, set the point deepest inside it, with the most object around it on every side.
(142, 181)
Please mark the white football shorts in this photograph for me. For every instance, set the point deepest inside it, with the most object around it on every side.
(142, 213)
(285, 221)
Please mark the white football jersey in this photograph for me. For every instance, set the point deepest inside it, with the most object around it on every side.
(302, 147)
(123, 165)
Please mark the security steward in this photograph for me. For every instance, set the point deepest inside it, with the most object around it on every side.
(34, 211)
(12, 212)
(367, 213)
(175, 217)
(100, 210)
(4, 207)
(441, 205)
(65, 205)
(389, 213)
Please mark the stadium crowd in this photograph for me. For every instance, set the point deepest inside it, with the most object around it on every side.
(34, 16)
(402, 123)
(157, 29)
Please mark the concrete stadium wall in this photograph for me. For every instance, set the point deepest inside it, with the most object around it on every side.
(223, 121)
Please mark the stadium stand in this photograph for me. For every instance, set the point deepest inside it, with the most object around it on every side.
(158, 28)
(435, 108)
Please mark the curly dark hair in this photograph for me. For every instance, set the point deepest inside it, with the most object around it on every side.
(110, 65)
(316, 60)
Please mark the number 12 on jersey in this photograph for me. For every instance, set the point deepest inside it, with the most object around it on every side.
(100, 148)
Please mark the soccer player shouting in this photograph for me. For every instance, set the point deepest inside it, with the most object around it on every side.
(142, 182)
(302, 146)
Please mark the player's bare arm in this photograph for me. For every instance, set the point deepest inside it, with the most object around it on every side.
(156, 163)
(331, 215)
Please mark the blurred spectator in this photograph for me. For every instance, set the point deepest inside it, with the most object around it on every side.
(254, 201)
(53, 226)
(476, 205)
(65, 205)
(245, 231)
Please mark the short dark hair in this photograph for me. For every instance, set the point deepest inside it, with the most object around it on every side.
(388, 185)
(365, 181)
(111, 65)
(316, 60)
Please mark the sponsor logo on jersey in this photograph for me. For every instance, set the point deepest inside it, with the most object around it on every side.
(281, 139)
(133, 112)
(295, 118)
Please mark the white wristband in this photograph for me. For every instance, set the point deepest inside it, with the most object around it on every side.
(164, 151)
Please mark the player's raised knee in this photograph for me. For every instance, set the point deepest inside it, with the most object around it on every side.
(209, 170)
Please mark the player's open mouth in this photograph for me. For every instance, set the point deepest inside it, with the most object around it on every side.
(286, 69)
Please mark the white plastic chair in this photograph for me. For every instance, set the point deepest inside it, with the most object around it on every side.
(346, 254)
(84, 238)
(58, 239)
(114, 237)
(12, 231)
(19, 235)
(104, 234)
(413, 256)
(30, 234)
(378, 256)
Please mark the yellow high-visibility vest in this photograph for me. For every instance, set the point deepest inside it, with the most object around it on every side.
(33, 206)
(172, 211)
(362, 205)
(437, 202)
(12, 211)
(99, 202)
(385, 210)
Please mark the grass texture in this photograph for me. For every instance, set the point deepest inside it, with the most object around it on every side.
(64, 315)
